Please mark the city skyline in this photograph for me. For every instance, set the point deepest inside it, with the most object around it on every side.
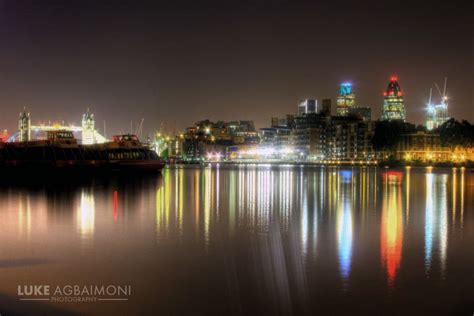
(236, 157)
(264, 58)
(133, 125)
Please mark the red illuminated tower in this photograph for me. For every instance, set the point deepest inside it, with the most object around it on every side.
(393, 105)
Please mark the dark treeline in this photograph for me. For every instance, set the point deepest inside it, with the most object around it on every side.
(452, 133)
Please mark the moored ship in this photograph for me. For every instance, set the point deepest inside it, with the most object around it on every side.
(61, 151)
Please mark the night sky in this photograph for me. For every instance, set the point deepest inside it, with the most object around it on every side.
(176, 62)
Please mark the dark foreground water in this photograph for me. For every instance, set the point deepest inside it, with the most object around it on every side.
(245, 240)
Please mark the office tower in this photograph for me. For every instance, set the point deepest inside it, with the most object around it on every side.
(393, 104)
(307, 106)
(326, 107)
(345, 100)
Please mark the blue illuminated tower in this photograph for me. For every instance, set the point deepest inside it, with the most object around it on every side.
(346, 99)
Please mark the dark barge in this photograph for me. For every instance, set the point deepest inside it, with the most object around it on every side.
(61, 152)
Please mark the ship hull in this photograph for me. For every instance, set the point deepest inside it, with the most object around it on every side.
(67, 167)
(34, 159)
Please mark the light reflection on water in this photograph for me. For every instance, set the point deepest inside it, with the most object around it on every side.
(344, 232)
(288, 237)
(86, 215)
(391, 237)
(436, 219)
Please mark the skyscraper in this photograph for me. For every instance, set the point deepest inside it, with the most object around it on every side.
(364, 112)
(307, 106)
(437, 114)
(326, 107)
(393, 104)
(345, 100)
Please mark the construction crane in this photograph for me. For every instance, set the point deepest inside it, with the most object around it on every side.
(437, 114)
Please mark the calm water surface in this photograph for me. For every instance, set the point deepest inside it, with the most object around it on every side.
(246, 240)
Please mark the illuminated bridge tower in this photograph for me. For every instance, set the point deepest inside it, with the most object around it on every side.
(345, 100)
(24, 126)
(88, 128)
(393, 105)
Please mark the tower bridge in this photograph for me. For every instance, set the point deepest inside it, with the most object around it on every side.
(89, 134)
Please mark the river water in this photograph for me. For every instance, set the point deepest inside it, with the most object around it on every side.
(235, 240)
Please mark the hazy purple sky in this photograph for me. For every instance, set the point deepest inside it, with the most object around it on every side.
(176, 62)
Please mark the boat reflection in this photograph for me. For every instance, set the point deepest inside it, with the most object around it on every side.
(115, 207)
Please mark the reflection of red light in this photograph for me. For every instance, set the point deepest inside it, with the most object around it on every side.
(385, 94)
(393, 78)
(393, 177)
(115, 206)
(391, 237)
(398, 174)
(391, 253)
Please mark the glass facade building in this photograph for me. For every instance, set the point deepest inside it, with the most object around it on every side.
(393, 104)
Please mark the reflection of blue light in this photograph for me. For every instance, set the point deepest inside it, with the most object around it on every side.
(346, 175)
(443, 222)
(345, 240)
(429, 220)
